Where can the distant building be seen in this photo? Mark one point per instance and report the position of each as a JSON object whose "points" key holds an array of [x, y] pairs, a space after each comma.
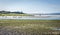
{"points": [[37, 15]]}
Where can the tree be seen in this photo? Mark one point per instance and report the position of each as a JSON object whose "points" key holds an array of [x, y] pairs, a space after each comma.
{"points": [[21, 12]]}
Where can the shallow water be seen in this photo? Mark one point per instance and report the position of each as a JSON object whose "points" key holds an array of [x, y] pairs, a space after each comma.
{"points": [[42, 17], [56, 29]]}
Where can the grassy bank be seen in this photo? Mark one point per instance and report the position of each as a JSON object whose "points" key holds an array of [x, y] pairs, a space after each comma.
{"points": [[15, 15], [30, 26]]}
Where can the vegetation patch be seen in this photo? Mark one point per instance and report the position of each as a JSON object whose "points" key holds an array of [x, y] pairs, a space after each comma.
{"points": [[30, 26]]}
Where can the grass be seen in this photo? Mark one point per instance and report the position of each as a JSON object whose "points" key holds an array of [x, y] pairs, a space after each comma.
{"points": [[30, 26], [15, 15]]}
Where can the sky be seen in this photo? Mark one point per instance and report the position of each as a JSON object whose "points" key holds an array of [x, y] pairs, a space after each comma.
{"points": [[31, 6]]}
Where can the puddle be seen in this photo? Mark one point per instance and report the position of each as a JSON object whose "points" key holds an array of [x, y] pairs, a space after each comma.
{"points": [[56, 29]]}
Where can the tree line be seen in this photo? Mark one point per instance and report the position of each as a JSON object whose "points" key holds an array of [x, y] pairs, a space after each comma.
{"points": [[9, 12]]}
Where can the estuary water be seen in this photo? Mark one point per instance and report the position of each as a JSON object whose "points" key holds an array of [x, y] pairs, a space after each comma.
{"points": [[42, 17]]}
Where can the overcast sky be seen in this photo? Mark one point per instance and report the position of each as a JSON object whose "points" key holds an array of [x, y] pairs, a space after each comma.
{"points": [[31, 6]]}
